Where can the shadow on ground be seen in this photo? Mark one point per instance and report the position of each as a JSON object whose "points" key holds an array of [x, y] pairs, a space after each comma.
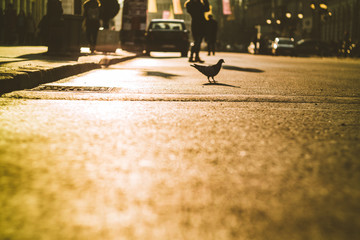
{"points": [[52, 57], [159, 74], [162, 57], [43, 57], [220, 84], [235, 68]]}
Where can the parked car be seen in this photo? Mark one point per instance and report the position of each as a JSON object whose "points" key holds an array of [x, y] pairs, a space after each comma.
{"points": [[167, 36], [308, 47], [283, 46]]}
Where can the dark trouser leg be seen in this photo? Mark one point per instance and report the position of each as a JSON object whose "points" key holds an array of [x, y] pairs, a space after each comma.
{"points": [[211, 48], [91, 35], [88, 35], [198, 34], [197, 44]]}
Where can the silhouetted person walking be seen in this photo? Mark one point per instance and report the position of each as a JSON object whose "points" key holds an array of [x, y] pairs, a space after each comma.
{"points": [[54, 30], [10, 24], [92, 21], [1, 25], [211, 34], [21, 27], [30, 29], [197, 8]]}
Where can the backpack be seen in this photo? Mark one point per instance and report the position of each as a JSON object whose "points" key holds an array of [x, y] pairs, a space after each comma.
{"points": [[93, 13]]}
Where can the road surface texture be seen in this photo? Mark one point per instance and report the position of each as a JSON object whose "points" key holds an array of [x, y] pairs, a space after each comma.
{"points": [[147, 149]]}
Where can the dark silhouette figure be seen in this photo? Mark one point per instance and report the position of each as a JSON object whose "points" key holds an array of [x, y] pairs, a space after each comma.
{"points": [[21, 27], [196, 9], [209, 71], [55, 13], [109, 9], [211, 34], [1, 25], [43, 30], [92, 21], [30, 29], [10, 24], [51, 26]]}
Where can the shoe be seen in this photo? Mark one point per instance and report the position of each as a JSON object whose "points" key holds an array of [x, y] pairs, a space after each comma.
{"points": [[199, 60], [191, 60]]}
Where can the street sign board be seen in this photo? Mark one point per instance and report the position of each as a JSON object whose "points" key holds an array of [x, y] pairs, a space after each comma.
{"points": [[133, 24]]}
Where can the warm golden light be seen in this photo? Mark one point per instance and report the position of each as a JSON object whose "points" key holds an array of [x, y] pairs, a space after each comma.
{"points": [[268, 21], [288, 15], [278, 21], [85, 50], [330, 14], [312, 6], [323, 6], [300, 15], [152, 7]]}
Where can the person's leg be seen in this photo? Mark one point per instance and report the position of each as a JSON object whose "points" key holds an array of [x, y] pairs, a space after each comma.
{"points": [[92, 37], [212, 45], [197, 45], [95, 34], [195, 31], [191, 58], [209, 47], [198, 34], [88, 35]]}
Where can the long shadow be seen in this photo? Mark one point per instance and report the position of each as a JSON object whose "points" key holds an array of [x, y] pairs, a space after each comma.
{"points": [[19, 60], [235, 68], [49, 57], [220, 84], [43, 57], [159, 74], [159, 57]]}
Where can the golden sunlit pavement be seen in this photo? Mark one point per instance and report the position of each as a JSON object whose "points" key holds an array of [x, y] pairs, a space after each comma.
{"points": [[147, 149]]}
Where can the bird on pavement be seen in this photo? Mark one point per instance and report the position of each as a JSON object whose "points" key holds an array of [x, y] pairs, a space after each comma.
{"points": [[209, 71]]}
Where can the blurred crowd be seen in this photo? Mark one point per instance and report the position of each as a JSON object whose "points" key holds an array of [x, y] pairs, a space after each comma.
{"points": [[17, 29], [21, 29]]}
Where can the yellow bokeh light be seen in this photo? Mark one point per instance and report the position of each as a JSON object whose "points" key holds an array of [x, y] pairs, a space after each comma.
{"points": [[323, 6]]}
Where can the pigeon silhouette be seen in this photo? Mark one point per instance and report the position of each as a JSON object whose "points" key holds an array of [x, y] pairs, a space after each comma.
{"points": [[209, 71]]}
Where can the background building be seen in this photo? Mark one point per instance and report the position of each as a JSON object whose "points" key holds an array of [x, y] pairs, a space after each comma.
{"points": [[329, 20], [243, 21], [37, 9]]}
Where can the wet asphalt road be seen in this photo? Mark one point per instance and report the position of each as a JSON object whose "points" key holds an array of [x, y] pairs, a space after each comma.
{"points": [[148, 150]]}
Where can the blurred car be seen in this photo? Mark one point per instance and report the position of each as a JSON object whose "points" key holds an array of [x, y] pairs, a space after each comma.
{"points": [[283, 46], [167, 36], [309, 47]]}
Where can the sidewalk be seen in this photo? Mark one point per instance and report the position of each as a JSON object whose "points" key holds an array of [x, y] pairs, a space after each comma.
{"points": [[24, 67]]}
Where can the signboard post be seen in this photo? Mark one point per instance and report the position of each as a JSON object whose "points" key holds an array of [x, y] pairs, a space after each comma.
{"points": [[133, 25]]}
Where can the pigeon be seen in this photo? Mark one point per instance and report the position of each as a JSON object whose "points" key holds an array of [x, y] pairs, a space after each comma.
{"points": [[209, 71]]}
